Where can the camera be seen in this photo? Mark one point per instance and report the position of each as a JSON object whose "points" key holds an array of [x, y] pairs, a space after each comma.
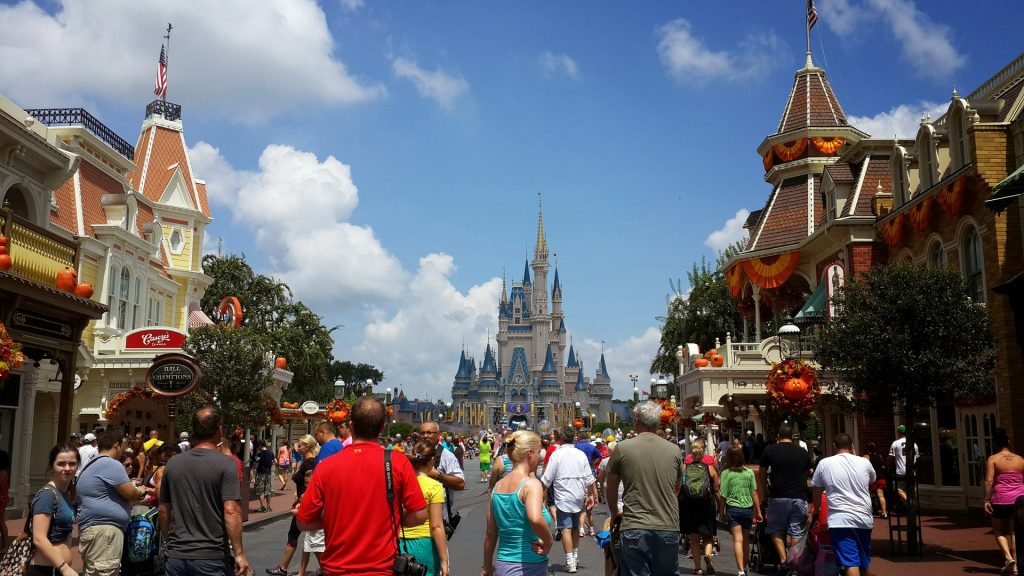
{"points": [[407, 565], [451, 524]]}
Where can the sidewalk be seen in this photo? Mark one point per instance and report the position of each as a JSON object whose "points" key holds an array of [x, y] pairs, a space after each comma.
{"points": [[955, 543]]}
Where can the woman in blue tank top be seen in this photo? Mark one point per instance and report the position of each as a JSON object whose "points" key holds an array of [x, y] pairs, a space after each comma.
{"points": [[515, 518]]}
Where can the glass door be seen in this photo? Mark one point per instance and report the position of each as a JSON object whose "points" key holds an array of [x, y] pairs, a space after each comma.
{"points": [[979, 424]]}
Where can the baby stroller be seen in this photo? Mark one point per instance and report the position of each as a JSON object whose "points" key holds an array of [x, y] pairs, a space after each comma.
{"points": [[762, 548]]}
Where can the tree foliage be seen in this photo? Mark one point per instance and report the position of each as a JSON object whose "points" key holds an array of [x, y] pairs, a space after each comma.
{"points": [[288, 326], [908, 332], [705, 313], [351, 372], [236, 365]]}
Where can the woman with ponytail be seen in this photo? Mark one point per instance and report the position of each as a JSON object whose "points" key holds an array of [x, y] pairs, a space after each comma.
{"points": [[428, 542], [516, 526]]}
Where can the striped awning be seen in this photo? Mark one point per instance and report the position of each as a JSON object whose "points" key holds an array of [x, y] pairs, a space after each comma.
{"points": [[813, 310], [197, 318], [1006, 191]]}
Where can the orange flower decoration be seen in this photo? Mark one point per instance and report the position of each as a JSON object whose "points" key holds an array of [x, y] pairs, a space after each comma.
{"points": [[776, 387], [828, 144], [788, 151]]}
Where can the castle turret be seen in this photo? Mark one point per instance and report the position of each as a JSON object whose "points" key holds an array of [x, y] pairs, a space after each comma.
{"points": [[601, 392], [460, 388], [550, 388]]}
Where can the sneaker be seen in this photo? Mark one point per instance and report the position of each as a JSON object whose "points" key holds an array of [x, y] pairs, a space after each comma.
{"points": [[277, 571], [741, 574], [592, 533], [570, 567], [583, 531]]}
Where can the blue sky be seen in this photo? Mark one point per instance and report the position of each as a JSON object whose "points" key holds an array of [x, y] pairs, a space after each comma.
{"points": [[385, 158]]}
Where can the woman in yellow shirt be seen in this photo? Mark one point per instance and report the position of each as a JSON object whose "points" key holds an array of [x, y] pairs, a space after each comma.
{"points": [[428, 542]]}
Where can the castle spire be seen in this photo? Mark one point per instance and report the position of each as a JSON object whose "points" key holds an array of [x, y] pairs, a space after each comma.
{"points": [[542, 242], [526, 272]]}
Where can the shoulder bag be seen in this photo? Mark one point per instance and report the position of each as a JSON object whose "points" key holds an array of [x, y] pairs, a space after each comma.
{"points": [[405, 564], [17, 557]]}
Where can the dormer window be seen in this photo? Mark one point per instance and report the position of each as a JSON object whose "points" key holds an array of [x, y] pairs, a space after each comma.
{"points": [[830, 204], [928, 162], [959, 150], [176, 241], [898, 171]]}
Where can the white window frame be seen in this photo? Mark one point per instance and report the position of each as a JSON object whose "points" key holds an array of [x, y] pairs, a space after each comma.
{"points": [[975, 278], [124, 297], [179, 247]]}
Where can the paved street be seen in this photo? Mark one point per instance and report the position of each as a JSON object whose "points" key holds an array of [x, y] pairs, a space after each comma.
{"points": [[265, 544]]}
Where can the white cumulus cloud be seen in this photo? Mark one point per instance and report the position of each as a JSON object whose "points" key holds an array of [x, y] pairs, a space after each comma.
{"points": [[901, 121], [352, 5], [690, 61], [220, 62], [559, 65], [730, 233], [331, 263], [631, 355], [924, 43], [443, 88]]}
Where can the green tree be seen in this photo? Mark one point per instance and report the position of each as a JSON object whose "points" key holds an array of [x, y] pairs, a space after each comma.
{"points": [[236, 365], [353, 373], [908, 335], [700, 316], [291, 329]]}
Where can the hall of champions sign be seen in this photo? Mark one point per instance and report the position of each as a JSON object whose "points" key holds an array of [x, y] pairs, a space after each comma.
{"points": [[173, 375]]}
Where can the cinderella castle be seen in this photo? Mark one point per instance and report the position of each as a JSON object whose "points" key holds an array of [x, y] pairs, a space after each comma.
{"points": [[523, 377]]}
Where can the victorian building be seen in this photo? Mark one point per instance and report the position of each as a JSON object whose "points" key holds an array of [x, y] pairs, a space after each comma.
{"points": [[526, 375]]}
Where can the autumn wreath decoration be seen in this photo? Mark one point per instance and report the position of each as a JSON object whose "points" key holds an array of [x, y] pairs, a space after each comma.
{"points": [[11, 357], [337, 411], [117, 401], [793, 387]]}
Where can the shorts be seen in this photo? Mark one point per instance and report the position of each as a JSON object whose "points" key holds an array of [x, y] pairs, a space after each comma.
{"points": [[502, 568], [567, 519], [263, 487], [551, 497], [424, 551], [742, 517], [313, 541], [284, 466], [879, 484], [1003, 511], [787, 516], [851, 546], [485, 466]]}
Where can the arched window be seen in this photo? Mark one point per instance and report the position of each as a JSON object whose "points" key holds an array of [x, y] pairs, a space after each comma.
{"points": [[959, 150], [927, 163], [112, 295], [936, 255], [124, 285], [973, 263], [137, 303], [16, 201]]}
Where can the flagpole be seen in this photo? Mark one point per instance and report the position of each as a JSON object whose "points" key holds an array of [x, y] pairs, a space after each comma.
{"points": [[167, 55]]}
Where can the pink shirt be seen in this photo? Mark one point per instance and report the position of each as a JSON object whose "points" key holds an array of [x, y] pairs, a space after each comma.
{"points": [[707, 459]]}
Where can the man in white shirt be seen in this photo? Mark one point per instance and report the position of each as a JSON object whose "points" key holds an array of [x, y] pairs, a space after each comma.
{"points": [[844, 478], [569, 477], [88, 450], [898, 455]]}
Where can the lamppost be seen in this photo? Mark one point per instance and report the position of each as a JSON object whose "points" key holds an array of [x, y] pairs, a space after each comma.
{"points": [[387, 396], [789, 339], [636, 394], [659, 388], [576, 412], [369, 387], [339, 389]]}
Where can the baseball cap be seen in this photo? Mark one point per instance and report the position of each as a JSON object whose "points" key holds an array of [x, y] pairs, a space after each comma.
{"points": [[184, 436], [90, 437], [76, 434], [901, 429], [610, 439]]}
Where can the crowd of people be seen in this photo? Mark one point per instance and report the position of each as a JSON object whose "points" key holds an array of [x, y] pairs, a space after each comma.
{"points": [[368, 504]]}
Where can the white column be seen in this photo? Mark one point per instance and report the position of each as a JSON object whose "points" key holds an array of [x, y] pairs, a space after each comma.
{"points": [[23, 429], [757, 313]]}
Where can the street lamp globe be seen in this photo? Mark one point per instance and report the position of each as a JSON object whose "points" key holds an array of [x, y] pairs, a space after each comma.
{"points": [[387, 395], [789, 338], [339, 389], [636, 394]]}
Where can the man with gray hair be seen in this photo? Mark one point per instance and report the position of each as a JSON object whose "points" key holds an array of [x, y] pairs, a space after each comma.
{"points": [[649, 468]]}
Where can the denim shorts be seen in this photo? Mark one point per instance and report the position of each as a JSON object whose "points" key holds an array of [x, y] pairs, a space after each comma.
{"points": [[742, 517], [567, 519], [787, 516]]}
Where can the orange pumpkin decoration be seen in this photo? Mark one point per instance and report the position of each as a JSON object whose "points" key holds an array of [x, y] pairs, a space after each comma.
{"points": [[3, 249], [717, 360], [5, 262], [701, 362], [578, 423], [281, 362], [795, 388], [3, 240], [667, 414], [84, 290], [67, 279]]}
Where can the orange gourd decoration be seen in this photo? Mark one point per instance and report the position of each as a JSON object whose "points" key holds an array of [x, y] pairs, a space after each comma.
{"points": [[3, 249], [795, 388], [84, 290], [578, 423], [717, 360], [281, 362], [701, 362], [5, 262], [667, 414], [3, 240], [67, 279]]}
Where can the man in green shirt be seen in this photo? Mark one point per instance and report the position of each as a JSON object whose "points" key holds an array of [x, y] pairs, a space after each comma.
{"points": [[649, 468]]}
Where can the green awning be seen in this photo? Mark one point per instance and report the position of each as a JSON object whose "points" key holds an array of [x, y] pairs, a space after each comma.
{"points": [[1006, 191], [814, 309]]}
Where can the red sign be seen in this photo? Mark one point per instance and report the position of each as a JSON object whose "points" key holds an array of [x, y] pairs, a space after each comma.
{"points": [[154, 339]]}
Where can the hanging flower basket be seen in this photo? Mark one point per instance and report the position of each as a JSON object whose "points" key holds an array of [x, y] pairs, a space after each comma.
{"points": [[11, 357], [793, 387]]}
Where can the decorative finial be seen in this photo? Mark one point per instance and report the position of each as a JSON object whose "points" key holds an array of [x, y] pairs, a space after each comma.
{"points": [[955, 93]]}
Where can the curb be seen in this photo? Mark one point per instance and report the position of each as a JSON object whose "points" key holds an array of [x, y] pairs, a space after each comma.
{"points": [[260, 522]]}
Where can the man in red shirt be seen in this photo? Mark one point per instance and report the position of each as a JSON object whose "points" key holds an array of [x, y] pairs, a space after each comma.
{"points": [[348, 500]]}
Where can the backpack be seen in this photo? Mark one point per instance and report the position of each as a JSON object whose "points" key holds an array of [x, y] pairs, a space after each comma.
{"points": [[140, 540], [696, 483]]}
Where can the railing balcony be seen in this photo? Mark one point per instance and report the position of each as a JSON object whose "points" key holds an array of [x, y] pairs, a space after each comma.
{"points": [[166, 109], [745, 355], [81, 117], [38, 254]]}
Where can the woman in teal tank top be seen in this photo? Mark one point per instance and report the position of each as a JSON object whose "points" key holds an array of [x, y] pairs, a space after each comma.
{"points": [[516, 527]]}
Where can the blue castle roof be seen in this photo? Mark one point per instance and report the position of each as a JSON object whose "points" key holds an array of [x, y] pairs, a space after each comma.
{"points": [[463, 372], [489, 367], [580, 384], [561, 326], [549, 363], [572, 363], [526, 273], [556, 288], [602, 369]]}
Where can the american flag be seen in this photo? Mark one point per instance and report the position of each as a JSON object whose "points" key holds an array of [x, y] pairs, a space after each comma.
{"points": [[160, 86], [812, 14]]}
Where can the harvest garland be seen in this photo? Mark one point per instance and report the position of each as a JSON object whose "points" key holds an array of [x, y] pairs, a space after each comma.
{"points": [[11, 357], [117, 401], [793, 387]]}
